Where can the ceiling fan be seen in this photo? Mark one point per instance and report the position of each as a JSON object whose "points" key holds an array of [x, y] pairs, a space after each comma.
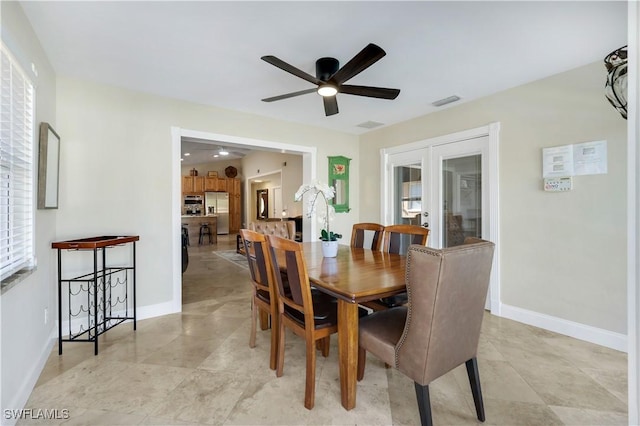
{"points": [[330, 78]]}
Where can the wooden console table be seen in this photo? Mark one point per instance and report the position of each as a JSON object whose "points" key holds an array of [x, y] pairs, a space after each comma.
{"points": [[99, 300]]}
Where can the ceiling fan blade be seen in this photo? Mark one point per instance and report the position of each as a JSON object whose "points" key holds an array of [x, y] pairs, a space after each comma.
{"points": [[372, 92], [363, 60], [290, 69], [289, 95], [330, 105]]}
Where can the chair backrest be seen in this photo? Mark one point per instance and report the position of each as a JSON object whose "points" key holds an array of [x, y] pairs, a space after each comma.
{"points": [[281, 228], [393, 237], [256, 248], [447, 290], [358, 234], [288, 255]]}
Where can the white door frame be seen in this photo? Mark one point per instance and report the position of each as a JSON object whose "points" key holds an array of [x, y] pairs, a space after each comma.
{"points": [[491, 177], [309, 173]]}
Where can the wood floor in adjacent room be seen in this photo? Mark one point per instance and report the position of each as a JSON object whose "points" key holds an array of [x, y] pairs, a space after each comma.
{"points": [[196, 368]]}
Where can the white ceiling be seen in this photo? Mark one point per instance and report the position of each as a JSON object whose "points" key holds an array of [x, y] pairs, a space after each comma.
{"points": [[209, 52]]}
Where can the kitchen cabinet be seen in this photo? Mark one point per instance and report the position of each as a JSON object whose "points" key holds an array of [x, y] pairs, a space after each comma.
{"points": [[198, 185], [192, 184], [235, 204], [216, 184]]}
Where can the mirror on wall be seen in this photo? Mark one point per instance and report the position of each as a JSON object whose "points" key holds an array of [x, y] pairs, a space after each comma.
{"points": [[48, 167], [262, 206], [339, 179]]}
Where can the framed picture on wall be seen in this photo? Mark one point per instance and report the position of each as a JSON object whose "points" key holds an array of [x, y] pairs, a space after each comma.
{"points": [[339, 179]]}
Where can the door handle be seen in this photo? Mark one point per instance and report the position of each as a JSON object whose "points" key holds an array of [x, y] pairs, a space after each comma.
{"points": [[425, 214], [425, 225]]}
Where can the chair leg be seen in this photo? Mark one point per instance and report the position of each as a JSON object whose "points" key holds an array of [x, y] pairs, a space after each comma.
{"points": [[264, 320], [254, 319], [310, 384], [362, 360], [273, 359], [280, 365], [424, 404], [325, 344], [474, 381]]}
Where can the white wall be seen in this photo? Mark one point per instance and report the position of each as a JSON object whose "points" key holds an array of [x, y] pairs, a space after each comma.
{"points": [[563, 254], [633, 289], [25, 338]]}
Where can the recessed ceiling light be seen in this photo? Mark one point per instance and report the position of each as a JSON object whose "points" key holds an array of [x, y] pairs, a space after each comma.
{"points": [[216, 155], [186, 154], [182, 159]]}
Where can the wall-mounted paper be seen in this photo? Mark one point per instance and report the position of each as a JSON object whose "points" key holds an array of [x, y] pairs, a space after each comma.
{"points": [[590, 158], [557, 161]]}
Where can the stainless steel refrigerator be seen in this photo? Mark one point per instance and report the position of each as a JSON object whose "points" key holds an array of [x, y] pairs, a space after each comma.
{"points": [[218, 203]]}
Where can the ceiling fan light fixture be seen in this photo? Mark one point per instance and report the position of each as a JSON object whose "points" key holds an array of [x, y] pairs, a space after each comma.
{"points": [[327, 90]]}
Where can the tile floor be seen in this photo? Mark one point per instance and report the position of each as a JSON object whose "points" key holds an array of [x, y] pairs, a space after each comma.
{"points": [[197, 368]]}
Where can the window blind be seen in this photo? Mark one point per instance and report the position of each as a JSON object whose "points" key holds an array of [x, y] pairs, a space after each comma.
{"points": [[16, 166]]}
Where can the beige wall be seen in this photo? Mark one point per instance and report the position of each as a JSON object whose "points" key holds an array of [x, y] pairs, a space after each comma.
{"points": [[260, 163], [562, 254], [24, 336], [117, 159]]}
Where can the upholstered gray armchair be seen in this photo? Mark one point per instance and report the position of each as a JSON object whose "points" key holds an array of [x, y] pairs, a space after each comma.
{"points": [[439, 329]]}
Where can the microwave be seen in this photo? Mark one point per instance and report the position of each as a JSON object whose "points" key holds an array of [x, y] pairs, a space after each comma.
{"points": [[190, 200]]}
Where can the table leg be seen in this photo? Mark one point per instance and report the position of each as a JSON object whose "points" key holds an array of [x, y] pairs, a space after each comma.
{"points": [[348, 351]]}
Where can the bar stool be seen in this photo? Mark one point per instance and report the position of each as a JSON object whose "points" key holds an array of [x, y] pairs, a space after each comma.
{"points": [[204, 231], [185, 232]]}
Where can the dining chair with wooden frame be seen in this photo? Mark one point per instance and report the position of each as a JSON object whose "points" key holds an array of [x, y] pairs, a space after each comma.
{"points": [[314, 318], [359, 231], [393, 244], [264, 295], [393, 237]]}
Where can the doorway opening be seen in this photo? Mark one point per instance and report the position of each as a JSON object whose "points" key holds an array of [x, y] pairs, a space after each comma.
{"points": [[307, 153]]}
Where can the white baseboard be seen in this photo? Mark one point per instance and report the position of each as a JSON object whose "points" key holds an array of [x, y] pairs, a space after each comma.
{"points": [[143, 312], [584, 332], [22, 396]]}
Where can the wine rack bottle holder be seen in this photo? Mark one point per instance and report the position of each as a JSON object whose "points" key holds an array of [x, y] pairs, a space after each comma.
{"points": [[99, 300]]}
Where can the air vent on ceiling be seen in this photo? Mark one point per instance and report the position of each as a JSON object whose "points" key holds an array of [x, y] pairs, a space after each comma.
{"points": [[445, 101], [370, 124]]}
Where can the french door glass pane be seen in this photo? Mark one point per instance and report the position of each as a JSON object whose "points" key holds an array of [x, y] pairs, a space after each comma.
{"points": [[408, 180], [462, 199], [408, 202]]}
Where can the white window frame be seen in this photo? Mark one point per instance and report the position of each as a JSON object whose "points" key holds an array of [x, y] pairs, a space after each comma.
{"points": [[17, 159]]}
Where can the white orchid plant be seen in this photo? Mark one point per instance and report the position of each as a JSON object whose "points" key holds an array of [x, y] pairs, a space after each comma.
{"points": [[316, 189]]}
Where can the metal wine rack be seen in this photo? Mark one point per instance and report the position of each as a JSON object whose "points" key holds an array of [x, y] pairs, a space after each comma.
{"points": [[99, 300]]}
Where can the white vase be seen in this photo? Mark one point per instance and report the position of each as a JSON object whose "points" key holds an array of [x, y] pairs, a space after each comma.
{"points": [[329, 248]]}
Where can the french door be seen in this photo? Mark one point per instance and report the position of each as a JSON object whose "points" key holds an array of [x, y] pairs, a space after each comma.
{"points": [[444, 187], [441, 188]]}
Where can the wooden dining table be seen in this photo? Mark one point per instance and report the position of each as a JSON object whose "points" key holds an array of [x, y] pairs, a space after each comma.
{"points": [[354, 276]]}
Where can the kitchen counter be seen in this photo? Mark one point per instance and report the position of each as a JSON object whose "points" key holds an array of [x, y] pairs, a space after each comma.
{"points": [[193, 223]]}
